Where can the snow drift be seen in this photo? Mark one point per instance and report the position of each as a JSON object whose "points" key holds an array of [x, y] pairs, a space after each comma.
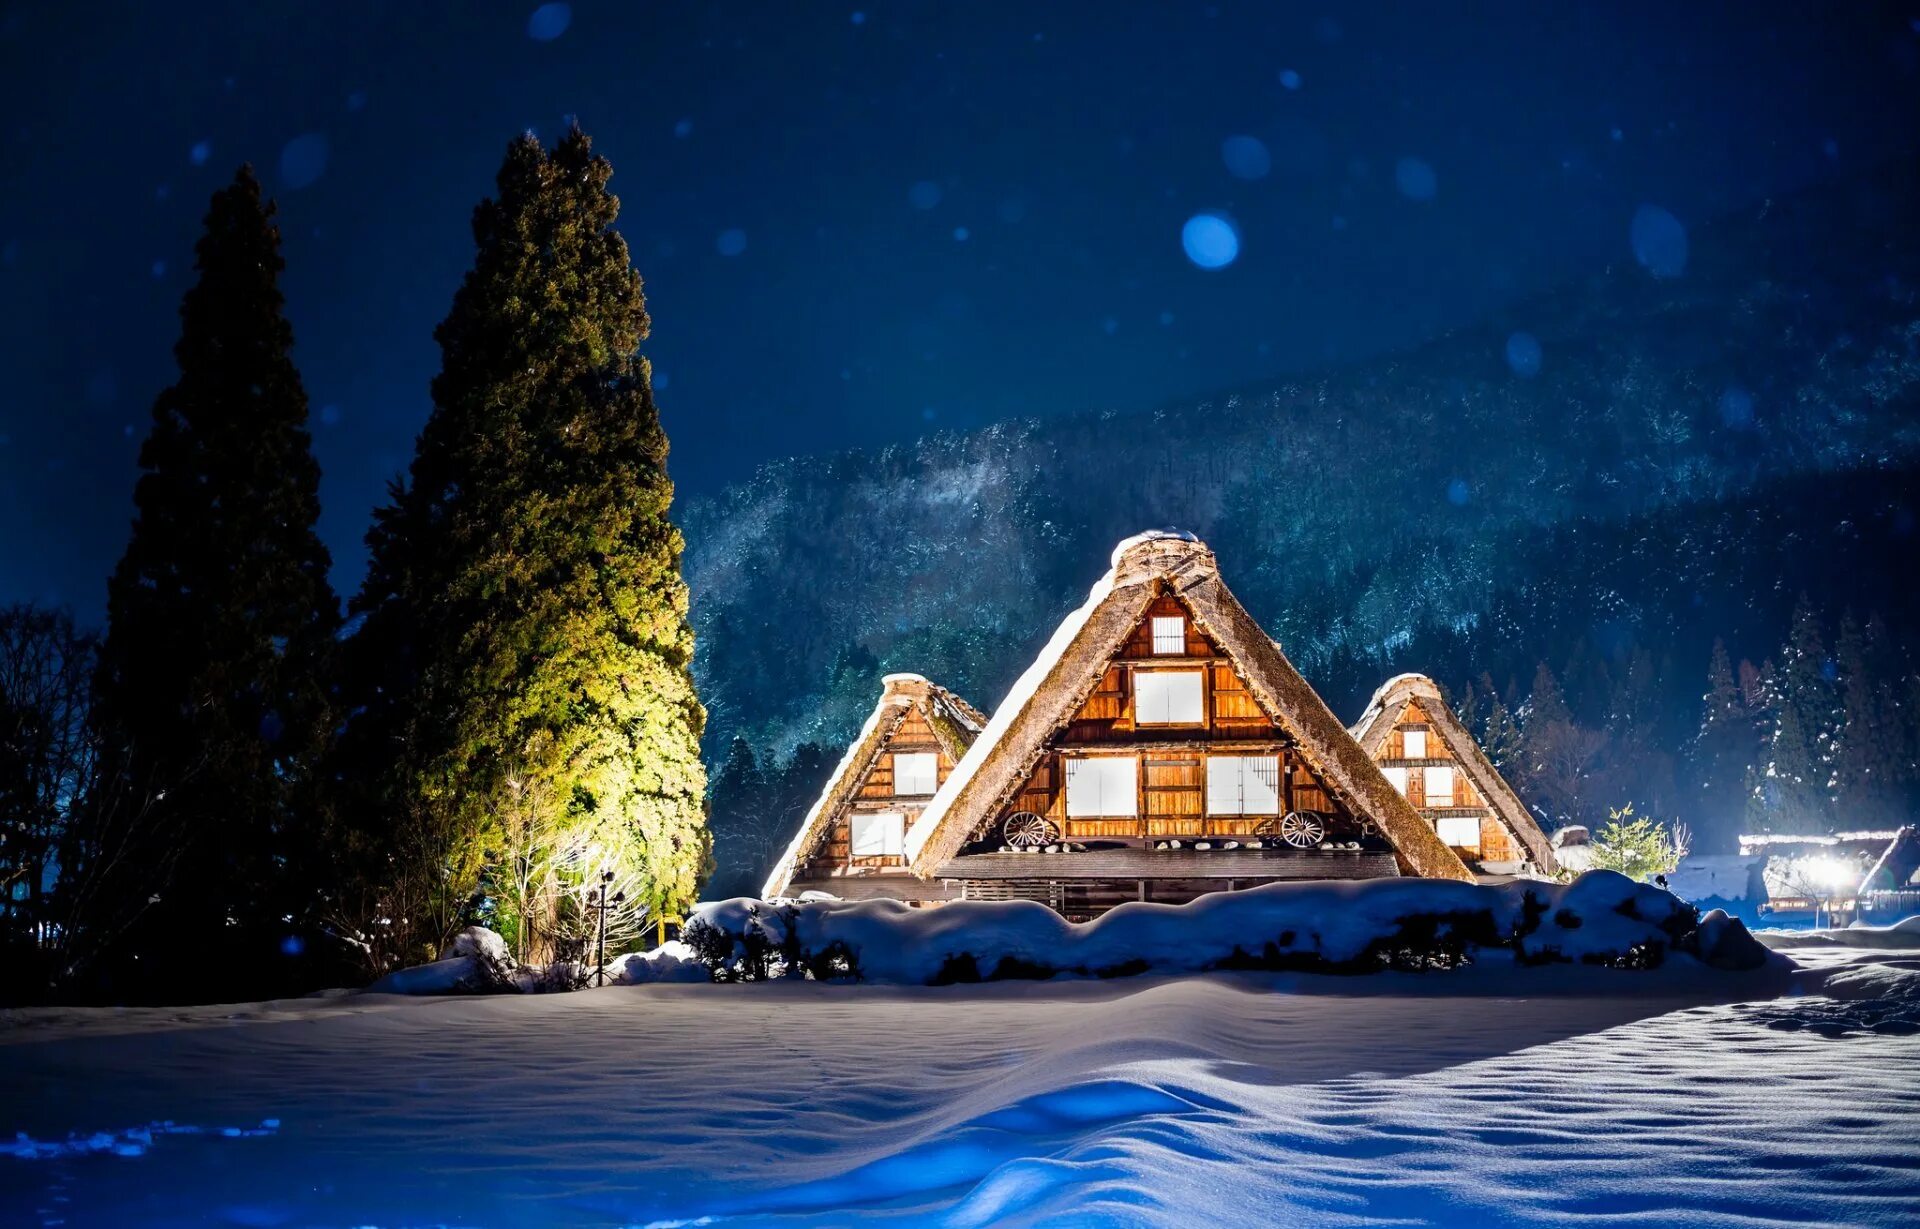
{"points": [[1602, 918]]}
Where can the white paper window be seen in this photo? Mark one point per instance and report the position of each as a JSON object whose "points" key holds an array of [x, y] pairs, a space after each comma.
{"points": [[1243, 785], [1415, 743], [1167, 697], [1398, 778], [1102, 786], [915, 773], [1169, 634], [879, 834], [1439, 783], [1461, 833]]}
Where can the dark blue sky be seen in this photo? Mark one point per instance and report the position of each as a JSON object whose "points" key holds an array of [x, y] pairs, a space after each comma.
{"points": [[857, 224]]}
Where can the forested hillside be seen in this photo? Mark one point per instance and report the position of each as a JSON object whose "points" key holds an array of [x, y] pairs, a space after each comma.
{"points": [[1677, 461]]}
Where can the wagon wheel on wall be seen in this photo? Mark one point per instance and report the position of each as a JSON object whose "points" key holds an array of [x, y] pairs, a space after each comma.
{"points": [[1302, 829], [1025, 830]]}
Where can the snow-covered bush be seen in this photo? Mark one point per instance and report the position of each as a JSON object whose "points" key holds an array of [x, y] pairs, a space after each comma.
{"points": [[1602, 918], [672, 961]]}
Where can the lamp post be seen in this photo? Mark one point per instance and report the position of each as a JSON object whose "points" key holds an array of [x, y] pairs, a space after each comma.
{"points": [[599, 900]]}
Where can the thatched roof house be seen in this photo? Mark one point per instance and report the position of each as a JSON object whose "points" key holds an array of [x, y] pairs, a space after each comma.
{"points": [[1160, 722], [851, 842], [1430, 756]]}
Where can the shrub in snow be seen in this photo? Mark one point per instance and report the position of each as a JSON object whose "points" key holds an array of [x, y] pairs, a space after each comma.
{"points": [[672, 961], [1602, 918]]}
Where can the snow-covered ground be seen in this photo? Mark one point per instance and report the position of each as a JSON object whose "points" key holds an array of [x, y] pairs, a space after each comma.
{"points": [[1486, 1096]]}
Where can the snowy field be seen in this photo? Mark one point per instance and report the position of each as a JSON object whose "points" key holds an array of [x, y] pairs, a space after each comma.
{"points": [[1488, 1096]]}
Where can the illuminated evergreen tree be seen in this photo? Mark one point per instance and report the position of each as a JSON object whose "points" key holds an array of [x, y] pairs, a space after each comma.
{"points": [[211, 689], [524, 665]]}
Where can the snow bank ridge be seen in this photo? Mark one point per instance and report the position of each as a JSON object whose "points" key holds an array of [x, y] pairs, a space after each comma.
{"points": [[1602, 918]]}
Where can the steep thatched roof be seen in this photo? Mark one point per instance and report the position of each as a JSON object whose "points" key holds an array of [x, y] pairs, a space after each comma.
{"points": [[1377, 722], [955, 725], [1072, 663]]}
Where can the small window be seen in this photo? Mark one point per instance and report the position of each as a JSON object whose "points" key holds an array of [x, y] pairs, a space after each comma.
{"points": [[1414, 743], [916, 774], [1169, 635], [879, 834], [1102, 786], [1168, 697], [1439, 783], [1398, 778], [1243, 785], [1460, 833]]}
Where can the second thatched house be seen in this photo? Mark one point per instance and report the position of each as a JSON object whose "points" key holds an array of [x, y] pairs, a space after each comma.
{"points": [[1432, 758], [1161, 747]]}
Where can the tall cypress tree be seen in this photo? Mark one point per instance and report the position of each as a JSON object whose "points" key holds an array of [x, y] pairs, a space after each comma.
{"points": [[525, 663], [211, 691]]}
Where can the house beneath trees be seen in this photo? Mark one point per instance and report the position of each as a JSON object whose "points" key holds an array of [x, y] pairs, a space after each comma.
{"points": [[1431, 757], [852, 841], [1159, 748]]}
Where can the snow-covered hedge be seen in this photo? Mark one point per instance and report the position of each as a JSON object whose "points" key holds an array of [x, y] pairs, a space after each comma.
{"points": [[1600, 918]]}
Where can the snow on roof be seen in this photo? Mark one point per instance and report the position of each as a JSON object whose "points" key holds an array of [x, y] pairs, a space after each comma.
{"points": [[1151, 535], [1413, 682], [1018, 697]]}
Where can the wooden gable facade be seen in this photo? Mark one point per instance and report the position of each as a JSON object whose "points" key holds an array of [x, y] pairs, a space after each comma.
{"points": [[1182, 750], [855, 832], [1428, 755], [1160, 747]]}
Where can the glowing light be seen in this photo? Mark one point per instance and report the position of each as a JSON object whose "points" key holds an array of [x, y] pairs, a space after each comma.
{"points": [[1523, 355], [303, 160], [549, 22], [1458, 492], [731, 242], [924, 194], [1659, 241], [1246, 157], [200, 152], [1211, 240], [1289, 79], [960, 234], [1830, 873], [1415, 179]]}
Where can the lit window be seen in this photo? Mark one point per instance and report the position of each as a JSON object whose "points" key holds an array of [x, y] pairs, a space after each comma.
{"points": [[1102, 786], [1460, 833], [880, 834], [1243, 785], [1439, 783], [916, 774], [1167, 697], [1169, 635], [1398, 778], [1415, 743]]}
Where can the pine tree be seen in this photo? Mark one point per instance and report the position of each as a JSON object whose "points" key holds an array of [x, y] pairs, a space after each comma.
{"points": [[1499, 732], [1723, 750], [526, 648], [1867, 770], [211, 691], [1796, 778], [742, 829]]}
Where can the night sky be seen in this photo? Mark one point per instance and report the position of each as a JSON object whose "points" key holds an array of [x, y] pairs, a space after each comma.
{"points": [[860, 225]]}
